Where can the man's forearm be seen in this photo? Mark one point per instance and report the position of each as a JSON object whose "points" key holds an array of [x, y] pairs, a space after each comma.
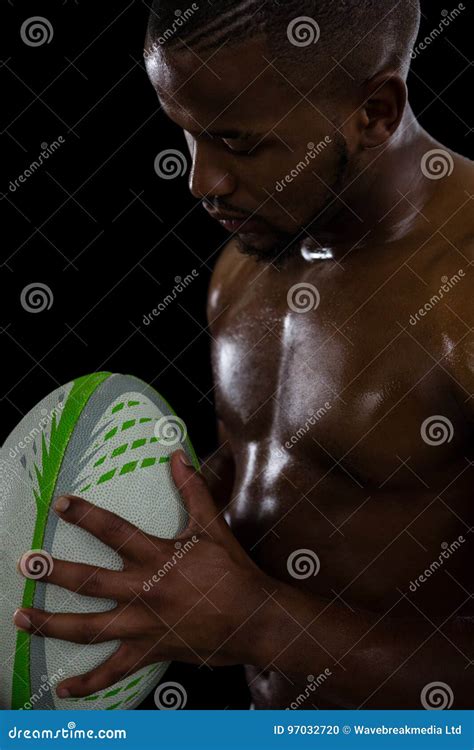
{"points": [[372, 660], [218, 471]]}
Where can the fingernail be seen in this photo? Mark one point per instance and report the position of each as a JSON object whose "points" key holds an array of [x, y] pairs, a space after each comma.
{"points": [[184, 458], [21, 620], [62, 504], [63, 692]]}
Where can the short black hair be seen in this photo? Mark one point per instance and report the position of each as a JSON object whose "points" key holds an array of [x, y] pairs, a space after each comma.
{"points": [[356, 38]]}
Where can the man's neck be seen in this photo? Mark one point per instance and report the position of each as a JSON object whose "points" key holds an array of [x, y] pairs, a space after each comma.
{"points": [[382, 200]]}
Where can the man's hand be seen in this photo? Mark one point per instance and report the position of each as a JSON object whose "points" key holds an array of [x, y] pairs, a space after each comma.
{"points": [[195, 598]]}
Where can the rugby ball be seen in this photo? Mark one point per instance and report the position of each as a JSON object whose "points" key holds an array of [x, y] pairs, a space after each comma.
{"points": [[107, 438]]}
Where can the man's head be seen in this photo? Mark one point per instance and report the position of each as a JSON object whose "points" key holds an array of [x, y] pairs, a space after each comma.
{"points": [[280, 100]]}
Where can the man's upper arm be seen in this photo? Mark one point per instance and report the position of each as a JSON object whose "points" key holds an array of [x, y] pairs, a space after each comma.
{"points": [[457, 334], [222, 283], [219, 468]]}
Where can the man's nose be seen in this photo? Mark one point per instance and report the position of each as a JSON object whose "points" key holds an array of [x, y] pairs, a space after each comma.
{"points": [[210, 174]]}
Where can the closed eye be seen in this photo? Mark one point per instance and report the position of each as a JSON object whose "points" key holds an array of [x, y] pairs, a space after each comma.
{"points": [[247, 152], [233, 147]]}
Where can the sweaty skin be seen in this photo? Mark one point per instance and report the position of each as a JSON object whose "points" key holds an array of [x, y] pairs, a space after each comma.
{"points": [[359, 486], [321, 413], [334, 530]]}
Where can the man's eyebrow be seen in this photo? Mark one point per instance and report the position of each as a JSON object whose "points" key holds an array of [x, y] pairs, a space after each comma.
{"points": [[237, 134], [233, 133]]}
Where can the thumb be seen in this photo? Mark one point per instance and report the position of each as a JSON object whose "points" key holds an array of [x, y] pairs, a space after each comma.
{"points": [[202, 510]]}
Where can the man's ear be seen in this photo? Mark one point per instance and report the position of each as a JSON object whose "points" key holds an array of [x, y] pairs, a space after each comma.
{"points": [[384, 101]]}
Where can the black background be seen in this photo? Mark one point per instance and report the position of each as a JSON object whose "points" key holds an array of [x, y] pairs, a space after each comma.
{"points": [[109, 237]]}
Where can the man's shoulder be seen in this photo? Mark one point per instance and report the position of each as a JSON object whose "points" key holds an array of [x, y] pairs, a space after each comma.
{"points": [[225, 280], [444, 262], [449, 218], [451, 287]]}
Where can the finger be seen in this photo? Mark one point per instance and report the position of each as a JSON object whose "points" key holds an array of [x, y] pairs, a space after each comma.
{"points": [[202, 510], [84, 579], [97, 627], [124, 537], [117, 667]]}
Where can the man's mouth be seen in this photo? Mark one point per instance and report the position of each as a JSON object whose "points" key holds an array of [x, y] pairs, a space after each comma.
{"points": [[243, 224]]}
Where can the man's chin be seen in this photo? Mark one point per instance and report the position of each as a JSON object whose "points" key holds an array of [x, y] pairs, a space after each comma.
{"points": [[270, 247]]}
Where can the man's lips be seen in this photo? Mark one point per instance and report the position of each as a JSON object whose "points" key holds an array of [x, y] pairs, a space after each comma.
{"points": [[252, 226], [239, 223]]}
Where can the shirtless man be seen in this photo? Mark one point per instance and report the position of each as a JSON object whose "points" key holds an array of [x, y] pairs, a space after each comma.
{"points": [[343, 351]]}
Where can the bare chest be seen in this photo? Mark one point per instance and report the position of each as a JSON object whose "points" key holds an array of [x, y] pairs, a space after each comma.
{"points": [[347, 438], [361, 390]]}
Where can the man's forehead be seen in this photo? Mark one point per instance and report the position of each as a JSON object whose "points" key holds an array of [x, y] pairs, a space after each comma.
{"points": [[240, 78]]}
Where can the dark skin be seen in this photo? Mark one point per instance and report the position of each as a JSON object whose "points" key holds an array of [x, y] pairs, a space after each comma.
{"points": [[359, 487], [153, 623]]}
